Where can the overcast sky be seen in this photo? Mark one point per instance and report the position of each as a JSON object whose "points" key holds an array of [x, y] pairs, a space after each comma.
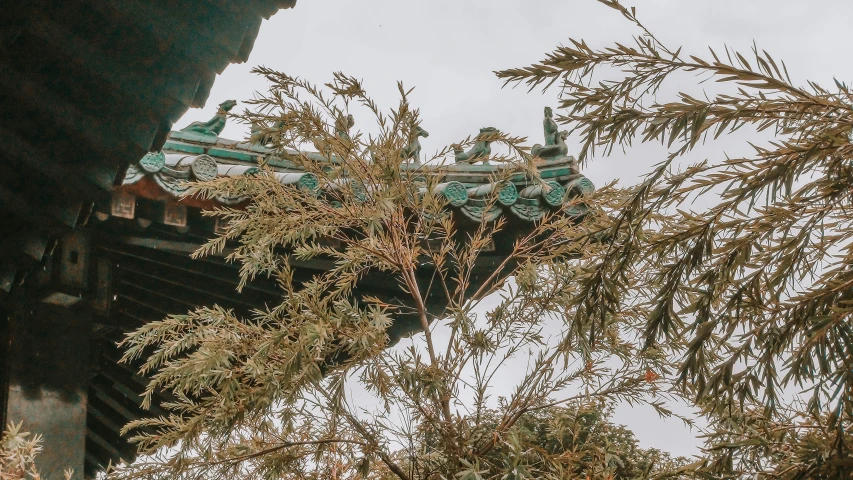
{"points": [[448, 49]]}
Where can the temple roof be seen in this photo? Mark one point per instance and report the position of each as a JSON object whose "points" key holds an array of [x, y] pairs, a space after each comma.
{"points": [[187, 156], [89, 86]]}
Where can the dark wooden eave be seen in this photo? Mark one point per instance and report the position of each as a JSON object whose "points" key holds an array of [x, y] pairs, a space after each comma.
{"points": [[89, 86]]}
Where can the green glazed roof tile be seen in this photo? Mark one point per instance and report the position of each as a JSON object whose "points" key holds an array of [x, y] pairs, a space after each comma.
{"points": [[467, 187]]}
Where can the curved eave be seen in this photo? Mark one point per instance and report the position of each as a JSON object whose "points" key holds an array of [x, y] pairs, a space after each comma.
{"points": [[164, 177]]}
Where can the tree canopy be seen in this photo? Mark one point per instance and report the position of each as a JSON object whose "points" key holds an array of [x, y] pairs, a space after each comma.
{"points": [[753, 293], [271, 395]]}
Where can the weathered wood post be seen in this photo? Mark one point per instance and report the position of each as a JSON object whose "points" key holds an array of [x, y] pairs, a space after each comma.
{"points": [[46, 360]]}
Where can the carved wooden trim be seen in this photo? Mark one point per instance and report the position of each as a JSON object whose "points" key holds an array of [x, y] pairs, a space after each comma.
{"points": [[175, 214], [123, 205]]}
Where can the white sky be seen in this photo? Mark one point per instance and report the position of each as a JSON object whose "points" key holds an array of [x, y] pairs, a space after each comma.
{"points": [[448, 49]]}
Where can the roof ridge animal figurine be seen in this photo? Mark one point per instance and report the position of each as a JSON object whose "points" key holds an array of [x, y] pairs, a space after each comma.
{"points": [[342, 127], [550, 127], [555, 142], [413, 149], [481, 149], [258, 135], [214, 126], [552, 152]]}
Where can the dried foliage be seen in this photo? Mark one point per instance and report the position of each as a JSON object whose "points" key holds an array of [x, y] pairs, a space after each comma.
{"points": [[18, 452], [753, 292], [272, 396], [567, 441]]}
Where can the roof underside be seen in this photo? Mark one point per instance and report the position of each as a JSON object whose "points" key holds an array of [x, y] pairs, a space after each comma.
{"points": [[88, 87]]}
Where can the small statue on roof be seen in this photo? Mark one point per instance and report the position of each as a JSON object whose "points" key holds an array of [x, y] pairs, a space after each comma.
{"points": [[555, 142], [552, 152], [550, 127], [481, 149], [413, 149], [259, 134], [342, 126], [214, 126]]}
